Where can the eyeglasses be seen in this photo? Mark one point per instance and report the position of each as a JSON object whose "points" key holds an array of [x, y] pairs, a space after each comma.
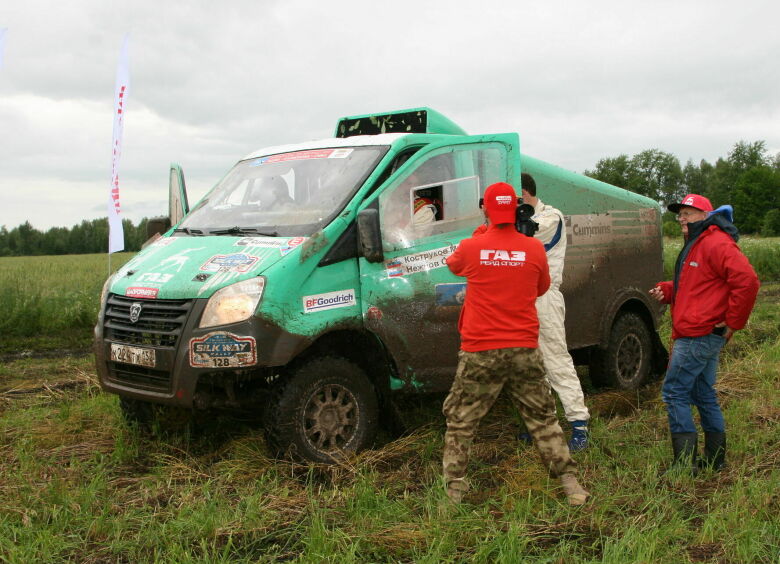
{"points": [[687, 214]]}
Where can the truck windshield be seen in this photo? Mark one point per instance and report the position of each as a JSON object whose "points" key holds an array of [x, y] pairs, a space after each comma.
{"points": [[287, 194]]}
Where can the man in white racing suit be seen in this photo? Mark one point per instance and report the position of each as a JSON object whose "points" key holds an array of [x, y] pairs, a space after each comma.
{"points": [[552, 312]]}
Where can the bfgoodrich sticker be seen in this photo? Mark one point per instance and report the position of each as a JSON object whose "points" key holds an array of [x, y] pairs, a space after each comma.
{"points": [[222, 349], [331, 300]]}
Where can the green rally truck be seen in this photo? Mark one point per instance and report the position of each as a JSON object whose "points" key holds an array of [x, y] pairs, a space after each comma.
{"points": [[302, 285]]}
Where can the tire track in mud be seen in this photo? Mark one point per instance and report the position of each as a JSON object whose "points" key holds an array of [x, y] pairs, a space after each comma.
{"points": [[53, 353]]}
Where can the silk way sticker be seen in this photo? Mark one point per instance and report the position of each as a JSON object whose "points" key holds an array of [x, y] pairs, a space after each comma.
{"points": [[236, 262], [418, 262], [221, 349], [331, 300]]}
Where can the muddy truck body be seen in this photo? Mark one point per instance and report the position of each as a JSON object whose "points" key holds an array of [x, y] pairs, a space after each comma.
{"points": [[301, 284]]}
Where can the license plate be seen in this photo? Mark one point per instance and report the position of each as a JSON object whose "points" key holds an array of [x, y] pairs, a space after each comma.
{"points": [[133, 355]]}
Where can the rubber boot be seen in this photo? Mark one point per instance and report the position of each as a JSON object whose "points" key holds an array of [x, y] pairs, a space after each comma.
{"points": [[684, 446], [714, 454], [575, 493], [579, 436]]}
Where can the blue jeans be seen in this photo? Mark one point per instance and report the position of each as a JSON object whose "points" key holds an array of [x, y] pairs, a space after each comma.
{"points": [[690, 380]]}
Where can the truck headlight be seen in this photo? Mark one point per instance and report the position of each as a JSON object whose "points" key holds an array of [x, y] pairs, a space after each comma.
{"points": [[233, 303]]}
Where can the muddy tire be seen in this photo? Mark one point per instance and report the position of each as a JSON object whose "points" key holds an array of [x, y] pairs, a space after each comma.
{"points": [[155, 419], [627, 360], [324, 408]]}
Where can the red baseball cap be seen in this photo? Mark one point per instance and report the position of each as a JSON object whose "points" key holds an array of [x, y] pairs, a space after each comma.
{"points": [[693, 200], [500, 202]]}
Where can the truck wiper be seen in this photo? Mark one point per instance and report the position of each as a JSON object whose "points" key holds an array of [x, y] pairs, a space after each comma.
{"points": [[188, 231], [241, 231]]}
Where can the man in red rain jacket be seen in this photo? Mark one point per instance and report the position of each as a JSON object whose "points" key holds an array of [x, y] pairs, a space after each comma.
{"points": [[711, 296]]}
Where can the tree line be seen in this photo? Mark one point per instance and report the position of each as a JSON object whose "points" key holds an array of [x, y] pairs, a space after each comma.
{"points": [[89, 236], [748, 179]]}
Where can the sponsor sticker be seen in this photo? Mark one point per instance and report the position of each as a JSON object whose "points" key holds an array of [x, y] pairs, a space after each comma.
{"points": [[221, 349], [262, 242], [589, 229], [144, 293], [236, 262], [450, 294], [331, 300], [303, 155], [418, 262], [291, 244]]}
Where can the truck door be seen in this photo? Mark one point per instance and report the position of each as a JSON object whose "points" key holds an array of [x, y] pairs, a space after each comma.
{"points": [[411, 300], [178, 206]]}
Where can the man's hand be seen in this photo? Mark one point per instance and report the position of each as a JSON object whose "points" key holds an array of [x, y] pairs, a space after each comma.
{"points": [[729, 331], [657, 293]]}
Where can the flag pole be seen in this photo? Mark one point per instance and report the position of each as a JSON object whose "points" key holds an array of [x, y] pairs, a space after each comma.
{"points": [[116, 236]]}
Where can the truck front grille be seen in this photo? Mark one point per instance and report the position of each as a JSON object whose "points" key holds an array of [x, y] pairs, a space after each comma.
{"points": [[159, 323], [140, 377]]}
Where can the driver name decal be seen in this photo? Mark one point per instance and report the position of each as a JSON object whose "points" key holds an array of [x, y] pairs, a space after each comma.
{"points": [[222, 349], [418, 262], [331, 300]]}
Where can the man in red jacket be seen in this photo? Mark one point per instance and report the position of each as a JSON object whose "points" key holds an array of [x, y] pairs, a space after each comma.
{"points": [[506, 271], [711, 296]]}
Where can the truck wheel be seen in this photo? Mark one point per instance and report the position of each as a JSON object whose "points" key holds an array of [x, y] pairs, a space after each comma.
{"points": [[627, 359], [154, 418], [325, 407]]}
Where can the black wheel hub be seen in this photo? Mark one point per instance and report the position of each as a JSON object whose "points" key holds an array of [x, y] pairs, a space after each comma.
{"points": [[629, 358]]}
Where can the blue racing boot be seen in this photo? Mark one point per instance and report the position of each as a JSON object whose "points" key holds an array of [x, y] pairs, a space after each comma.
{"points": [[525, 437], [579, 436]]}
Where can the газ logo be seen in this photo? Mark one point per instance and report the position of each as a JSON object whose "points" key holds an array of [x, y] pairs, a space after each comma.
{"points": [[135, 312], [500, 257]]}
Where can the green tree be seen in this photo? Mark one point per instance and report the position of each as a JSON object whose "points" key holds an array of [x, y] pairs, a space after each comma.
{"points": [[770, 227], [657, 175], [612, 170], [755, 192]]}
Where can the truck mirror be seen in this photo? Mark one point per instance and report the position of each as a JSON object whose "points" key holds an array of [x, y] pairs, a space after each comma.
{"points": [[369, 237], [157, 225]]}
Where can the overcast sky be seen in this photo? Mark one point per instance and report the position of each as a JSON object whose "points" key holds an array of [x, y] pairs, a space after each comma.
{"points": [[213, 81]]}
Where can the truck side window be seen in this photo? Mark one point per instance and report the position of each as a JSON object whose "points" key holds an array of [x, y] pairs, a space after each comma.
{"points": [[440, 195]]}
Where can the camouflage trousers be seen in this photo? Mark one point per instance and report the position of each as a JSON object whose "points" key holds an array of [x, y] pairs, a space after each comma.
{"points": [[479, 380]]}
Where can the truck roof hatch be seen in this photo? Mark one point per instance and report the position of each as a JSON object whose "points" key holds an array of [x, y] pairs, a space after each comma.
{"points": [[415, 120]]}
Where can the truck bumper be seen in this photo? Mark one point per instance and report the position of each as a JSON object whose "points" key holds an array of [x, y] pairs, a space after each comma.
{"points": [[178, 366]]}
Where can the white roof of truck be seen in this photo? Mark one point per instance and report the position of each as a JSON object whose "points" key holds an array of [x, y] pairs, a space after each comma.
{"points": [[333, 142]]}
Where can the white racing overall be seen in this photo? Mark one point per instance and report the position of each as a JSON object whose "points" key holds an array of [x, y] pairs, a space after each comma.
{"points": [[552, 312]]}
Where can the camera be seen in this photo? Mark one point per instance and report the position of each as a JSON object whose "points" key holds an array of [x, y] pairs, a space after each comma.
{"points": [[523, 222]]}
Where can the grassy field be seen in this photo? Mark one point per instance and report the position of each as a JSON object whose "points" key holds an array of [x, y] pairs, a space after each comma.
{"points": [[77, 484], [763, 252], [51, 302]]}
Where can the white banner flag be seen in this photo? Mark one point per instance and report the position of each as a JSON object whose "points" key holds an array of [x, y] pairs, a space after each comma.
{"points": [[2, 44], [116, 235]]}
